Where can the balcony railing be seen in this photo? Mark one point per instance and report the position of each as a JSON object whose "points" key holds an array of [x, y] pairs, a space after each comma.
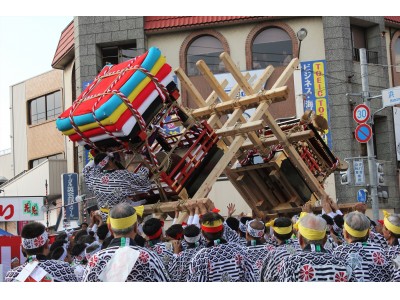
{"points": [[372, 56]]}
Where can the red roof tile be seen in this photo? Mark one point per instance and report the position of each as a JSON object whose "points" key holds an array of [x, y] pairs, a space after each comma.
{"points": [[393, 19], [65, 44], [156, 23]]}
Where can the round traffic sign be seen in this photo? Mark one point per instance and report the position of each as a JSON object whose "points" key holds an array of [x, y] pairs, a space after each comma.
{"points": [[361, 113], [363, 133]]}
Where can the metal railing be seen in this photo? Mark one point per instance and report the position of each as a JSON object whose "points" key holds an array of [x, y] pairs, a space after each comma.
{"points": [[372, 56]]}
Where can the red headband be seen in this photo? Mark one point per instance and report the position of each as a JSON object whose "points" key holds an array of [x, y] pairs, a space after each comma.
{"points": [[179, 236], [216, 226], [156, 235]]}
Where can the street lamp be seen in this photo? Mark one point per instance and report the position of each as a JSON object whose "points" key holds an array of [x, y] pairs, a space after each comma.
{"points": [[301, 35]]}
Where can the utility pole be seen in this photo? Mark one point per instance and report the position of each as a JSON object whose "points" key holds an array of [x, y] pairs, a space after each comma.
{"points": [[373, 182]]}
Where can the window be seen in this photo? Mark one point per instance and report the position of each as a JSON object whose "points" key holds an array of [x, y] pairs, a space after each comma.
{"points": [[358, 39], [207, 48], [272, 46], [118, 54], [44, 108], [36, 162]]}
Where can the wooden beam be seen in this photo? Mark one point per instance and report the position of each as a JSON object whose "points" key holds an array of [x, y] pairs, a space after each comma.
{"points": [[294, 137], [191, 89], [275, 95], [317, 209], [163, 207], [212, 81], [241, 128], [230, 66]]}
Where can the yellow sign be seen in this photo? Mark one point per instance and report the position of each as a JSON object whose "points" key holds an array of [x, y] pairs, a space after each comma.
{"points": [[322, 110], [319, 79]]}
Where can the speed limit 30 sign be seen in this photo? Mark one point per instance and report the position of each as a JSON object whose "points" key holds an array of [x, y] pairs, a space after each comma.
{"points": [[361, 113]]}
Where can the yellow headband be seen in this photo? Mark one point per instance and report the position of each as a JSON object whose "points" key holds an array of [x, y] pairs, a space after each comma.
{"points": [[139, 210], [123, 223], [279, 230], [311, 234], [215, 223], [355, 233], [302, 214], [392, 228]]}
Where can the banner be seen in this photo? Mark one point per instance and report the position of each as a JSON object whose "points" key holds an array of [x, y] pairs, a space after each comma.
{"points": [[314, 85], [69, 184], [10, 247], [21, 209]]}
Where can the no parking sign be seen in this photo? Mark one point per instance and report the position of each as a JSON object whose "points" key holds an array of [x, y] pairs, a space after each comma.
{"points": [[363, 133]]}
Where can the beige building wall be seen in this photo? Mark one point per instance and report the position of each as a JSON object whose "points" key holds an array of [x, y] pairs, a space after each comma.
{"points": [[170, 43], [43, 139], [312, 48]]}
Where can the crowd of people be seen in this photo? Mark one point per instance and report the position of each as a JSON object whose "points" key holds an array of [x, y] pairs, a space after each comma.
{"points": [[209, 248], [121, 244]]}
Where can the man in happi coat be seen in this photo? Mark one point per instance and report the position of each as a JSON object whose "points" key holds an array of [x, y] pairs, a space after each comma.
{"points": [[256, 250], [242, 230], [38, 268], [313, 263], [153, 229], [123, 260], [391, 232], [179, 266], [219, 260], [286, 246], [111, 184], [366, 260]]}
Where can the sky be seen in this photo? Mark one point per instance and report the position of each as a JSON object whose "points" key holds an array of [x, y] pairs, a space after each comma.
{"points": [[27, 48]]}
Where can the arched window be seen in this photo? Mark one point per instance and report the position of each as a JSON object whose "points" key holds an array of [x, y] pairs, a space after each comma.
{"points": [[272, 46], [395, 57], [207, 48]]}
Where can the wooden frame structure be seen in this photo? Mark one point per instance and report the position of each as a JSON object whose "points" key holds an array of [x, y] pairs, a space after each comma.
{"points": [[238, 135]]}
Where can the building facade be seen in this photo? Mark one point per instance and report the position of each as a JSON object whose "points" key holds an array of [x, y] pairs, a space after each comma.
{"points": [[38, 155]]}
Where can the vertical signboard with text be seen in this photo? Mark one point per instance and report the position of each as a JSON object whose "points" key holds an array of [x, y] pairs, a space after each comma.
{"points": [[69, 183], [315, 90]]}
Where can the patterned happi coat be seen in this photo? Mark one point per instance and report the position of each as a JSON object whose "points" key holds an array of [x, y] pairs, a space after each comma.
{"points": [[202, 242], [179, 266], [393, 254], [230, 235], [148, 267], [272, 264], [218, 263], [310, 265], [90, 171], [255, 257], [378, 238], [330, 243], [111, 187], [162, 250], [60, 271], [367, 261]]}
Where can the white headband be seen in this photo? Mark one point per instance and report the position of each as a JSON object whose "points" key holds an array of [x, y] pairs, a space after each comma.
{"points": [[103, 162], [256, 233], [193, 239], [242, 227], [36, 242]]}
